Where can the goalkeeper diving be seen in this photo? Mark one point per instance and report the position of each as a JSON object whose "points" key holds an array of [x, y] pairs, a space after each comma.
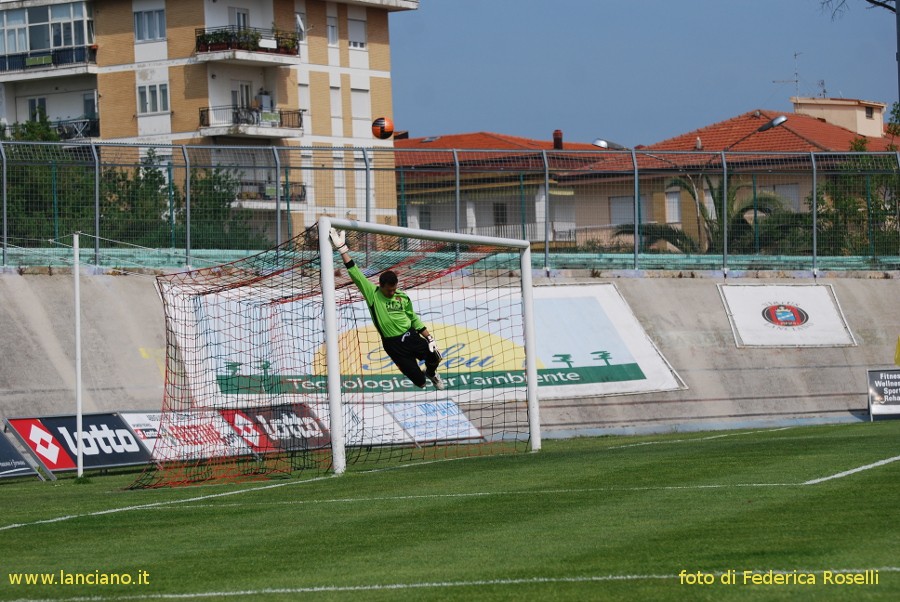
{"points": [[403, 335]]}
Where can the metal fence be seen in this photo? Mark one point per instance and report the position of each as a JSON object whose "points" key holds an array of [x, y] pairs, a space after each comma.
{"points": [[178, 206]]}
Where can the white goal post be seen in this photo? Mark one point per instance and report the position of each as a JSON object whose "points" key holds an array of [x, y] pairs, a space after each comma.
{"points": [[325, 223]]}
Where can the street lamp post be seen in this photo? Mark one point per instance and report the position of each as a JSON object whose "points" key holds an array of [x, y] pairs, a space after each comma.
{"points": [[772, 123], [606, 144]]}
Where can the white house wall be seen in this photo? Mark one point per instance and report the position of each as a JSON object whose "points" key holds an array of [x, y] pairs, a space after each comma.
{"points": [[260, 13]]}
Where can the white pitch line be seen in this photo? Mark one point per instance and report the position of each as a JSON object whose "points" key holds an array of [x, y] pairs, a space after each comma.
{"points": [[423, 585], [365, 588], [436, 496], [711, 437], [158, 504], [847, 473], [170, 503], [190, 501]]}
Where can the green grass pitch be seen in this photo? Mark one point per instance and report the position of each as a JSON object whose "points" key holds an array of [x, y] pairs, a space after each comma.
{"points": [[805, 511]]}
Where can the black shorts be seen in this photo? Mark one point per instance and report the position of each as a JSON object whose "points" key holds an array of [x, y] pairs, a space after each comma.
{"points": [[407, 351]]}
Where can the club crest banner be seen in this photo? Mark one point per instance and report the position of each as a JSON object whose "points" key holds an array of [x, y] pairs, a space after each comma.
{"points": [[794, 315]]}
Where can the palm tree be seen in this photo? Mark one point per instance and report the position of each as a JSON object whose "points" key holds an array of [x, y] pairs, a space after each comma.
{"points": [[738, 223]]}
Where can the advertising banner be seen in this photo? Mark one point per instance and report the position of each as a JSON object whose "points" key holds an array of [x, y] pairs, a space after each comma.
{"points": [[12, 464], [145, 426], [434, 421], [588, 343], [884, 392], [790, 315], [187, 435], [367, 424], [105, 438], [279, 428]]}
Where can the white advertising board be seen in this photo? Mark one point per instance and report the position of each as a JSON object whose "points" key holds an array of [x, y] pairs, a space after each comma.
{"points": [[186, 435], [240, 353], [785, 315]]}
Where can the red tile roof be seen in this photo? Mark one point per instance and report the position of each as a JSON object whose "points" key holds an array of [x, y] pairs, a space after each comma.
{"points": [[800, 133], [476, 148], [485, 141]]}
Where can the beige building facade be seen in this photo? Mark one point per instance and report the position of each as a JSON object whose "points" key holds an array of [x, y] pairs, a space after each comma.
{"points": [[228, 73]]}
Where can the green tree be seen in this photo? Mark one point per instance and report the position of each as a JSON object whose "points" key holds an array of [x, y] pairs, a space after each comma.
{"points": [[49, 191], [737, 223], [36, 130], [215, 222], [857, 208], [136, 202]]}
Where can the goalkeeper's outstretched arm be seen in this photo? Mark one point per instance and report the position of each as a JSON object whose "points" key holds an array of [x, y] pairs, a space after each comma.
{"points": [[339, 242]]}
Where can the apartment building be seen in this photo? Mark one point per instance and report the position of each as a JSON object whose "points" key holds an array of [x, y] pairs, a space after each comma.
{"points": [[199, 71], [228, 73]]}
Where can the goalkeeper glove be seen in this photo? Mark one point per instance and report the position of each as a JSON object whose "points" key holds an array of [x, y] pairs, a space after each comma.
{"points": [[338, 240], [432, 346]]}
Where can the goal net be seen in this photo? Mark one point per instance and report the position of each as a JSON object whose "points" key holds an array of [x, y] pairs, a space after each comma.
{"points": [[274, 363]]}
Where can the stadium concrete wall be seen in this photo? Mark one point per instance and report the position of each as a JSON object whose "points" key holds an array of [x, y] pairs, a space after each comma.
{"points": [[123, 349]]}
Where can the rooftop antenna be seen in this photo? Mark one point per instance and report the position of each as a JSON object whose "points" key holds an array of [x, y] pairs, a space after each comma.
{"points": [[796, 80], [824, 92]]}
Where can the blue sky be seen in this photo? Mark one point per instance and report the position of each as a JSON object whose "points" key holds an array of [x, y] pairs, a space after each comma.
{"points": [[631, 71]]}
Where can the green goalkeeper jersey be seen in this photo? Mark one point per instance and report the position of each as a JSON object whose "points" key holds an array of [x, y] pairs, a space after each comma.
{"points": [[393, 316]]}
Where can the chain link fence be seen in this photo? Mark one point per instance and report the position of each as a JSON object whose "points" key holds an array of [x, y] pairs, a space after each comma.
{"points": [[172, 207]]}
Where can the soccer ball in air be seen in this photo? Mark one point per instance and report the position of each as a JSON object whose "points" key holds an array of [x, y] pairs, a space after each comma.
{"points": [[383, 128]]}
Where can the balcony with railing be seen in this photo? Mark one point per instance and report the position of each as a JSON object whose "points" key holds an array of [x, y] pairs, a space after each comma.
{"points": [[254, 194], [250, 121], [77, 129], [535, 232], [247, 45], [47, 61]]}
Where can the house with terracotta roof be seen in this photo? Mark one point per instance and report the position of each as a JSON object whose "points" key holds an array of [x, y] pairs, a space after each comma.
{"points": [[816, 125], [489, 184], [761, 152], [493, 184]]}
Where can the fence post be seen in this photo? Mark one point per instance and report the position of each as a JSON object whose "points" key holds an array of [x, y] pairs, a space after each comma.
{"points": [[187, 207], [96, 204], [637, 209], [277, 197], [5, 227], [457, 188], [815, 215], [723, 218], [368, 167], [546, 213], [171, 192]]}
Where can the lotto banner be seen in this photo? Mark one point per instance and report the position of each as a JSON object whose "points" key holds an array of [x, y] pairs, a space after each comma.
{"points": [[793, 315], [589, 343], [106, 441], [11, 462], [285, 428]]}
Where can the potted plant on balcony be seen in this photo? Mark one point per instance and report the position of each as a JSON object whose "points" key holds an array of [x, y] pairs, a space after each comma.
{"points": [[218, 40], [203, 42], [248, 39], [287, 42]]}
